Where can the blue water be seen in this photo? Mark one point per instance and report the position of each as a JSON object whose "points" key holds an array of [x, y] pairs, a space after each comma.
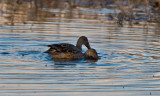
{"points": [[128, 64]]}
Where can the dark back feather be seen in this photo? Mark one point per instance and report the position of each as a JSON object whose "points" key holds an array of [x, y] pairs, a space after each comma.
{"points": [[63, 48]]}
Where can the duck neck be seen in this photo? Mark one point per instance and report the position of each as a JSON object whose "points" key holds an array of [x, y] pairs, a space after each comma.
{"points": [[82, 40], [79, 45]]}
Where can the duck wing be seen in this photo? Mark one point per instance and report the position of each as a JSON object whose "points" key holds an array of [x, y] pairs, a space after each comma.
{"points": [[62, 48]]}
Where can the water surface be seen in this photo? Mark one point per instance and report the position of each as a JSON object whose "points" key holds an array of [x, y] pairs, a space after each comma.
{"points": [[128, 64]]}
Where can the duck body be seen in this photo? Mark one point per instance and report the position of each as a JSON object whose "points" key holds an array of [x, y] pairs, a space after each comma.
{"points": [[70, 51], [65, 51]]}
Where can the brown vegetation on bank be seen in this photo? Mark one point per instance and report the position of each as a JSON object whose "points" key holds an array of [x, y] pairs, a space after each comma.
{"points": [[131, 11]]}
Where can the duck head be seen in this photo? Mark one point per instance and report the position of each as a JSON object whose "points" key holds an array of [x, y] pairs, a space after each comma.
{"points": [[91, 54], [82, 40]]}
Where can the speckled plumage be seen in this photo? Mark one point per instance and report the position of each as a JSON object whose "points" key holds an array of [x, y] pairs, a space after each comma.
{"points": [[65, 50]]}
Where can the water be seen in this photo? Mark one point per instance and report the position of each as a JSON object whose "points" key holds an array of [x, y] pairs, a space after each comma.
{"points": [[128, 64]]}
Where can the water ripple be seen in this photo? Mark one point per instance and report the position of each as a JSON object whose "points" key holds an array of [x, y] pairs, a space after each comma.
{"points": [[128, 64]]}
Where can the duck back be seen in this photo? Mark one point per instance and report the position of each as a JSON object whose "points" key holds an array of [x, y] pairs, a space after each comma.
{"points": [[64, 50]]}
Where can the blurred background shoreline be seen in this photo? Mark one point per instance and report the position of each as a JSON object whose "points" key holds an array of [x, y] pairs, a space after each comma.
{"points": [[131, 12]]}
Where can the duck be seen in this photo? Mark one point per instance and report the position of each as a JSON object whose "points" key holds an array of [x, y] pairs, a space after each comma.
{"points": [[70, 51]]}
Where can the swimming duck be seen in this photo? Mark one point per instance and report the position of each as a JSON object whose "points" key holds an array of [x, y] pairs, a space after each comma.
{"points": [[69, 51]]}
